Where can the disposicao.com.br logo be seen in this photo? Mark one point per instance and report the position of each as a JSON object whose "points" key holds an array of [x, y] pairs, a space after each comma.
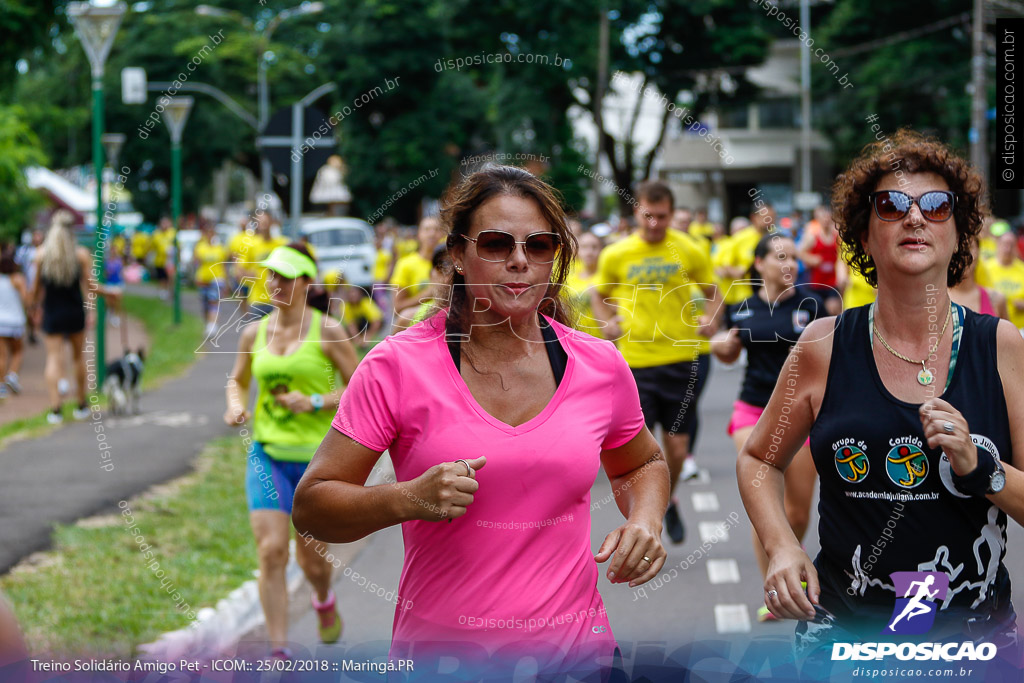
{"points": [[917, 595]]}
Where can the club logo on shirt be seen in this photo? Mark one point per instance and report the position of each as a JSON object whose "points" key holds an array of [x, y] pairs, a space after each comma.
{"points": [[851, 460], [906, 464], [800, 319], [916, 597]]}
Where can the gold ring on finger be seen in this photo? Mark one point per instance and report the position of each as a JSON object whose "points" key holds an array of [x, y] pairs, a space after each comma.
{"points": [[647, 559]]}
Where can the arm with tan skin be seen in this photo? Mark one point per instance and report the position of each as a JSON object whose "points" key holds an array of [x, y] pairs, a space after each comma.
{"points": [[998, 303], [20, 286], [810, 259], [341, 353], [237, 388], [605, 313], [639, 477], [709, 322], [962, 453], [726, 345], [88, 282], [332, 503], [762, 462]]}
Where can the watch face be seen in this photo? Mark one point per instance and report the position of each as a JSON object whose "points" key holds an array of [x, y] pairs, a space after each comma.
{"points": [[997, 482]]}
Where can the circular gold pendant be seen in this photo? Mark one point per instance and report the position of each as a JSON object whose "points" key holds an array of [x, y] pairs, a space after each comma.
{"points": [[925, 377]]}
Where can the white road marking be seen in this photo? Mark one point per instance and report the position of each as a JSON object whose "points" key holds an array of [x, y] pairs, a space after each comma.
{"points": [[709, 530], [723, 571], [705, 501], [703, 477], [732, 619]]}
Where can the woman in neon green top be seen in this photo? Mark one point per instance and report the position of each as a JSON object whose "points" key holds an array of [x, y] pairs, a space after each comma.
{"points": [[295, 359]]}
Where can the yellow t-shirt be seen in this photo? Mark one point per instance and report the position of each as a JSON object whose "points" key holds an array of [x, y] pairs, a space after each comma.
{"points": [[652, 286], [365, 309], [261, 249], [141, 242], [704, 230], [381, 265], [858, 291], [118, 245], [738, 251], [413, 272], [704, 343], [577, 291], [1009, 281], [163, 240], [987, 248], [210, 260], [409, 246]]}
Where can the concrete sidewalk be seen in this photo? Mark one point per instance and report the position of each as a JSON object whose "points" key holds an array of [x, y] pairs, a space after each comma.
{"points": [[67, 475]]}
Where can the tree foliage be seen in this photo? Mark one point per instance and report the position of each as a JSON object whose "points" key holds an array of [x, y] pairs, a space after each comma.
{"points": [[19, 148]]}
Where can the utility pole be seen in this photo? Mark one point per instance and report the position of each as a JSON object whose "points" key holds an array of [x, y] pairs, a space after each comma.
{"points": [[602, 84], [979, 121], [805, 101]]}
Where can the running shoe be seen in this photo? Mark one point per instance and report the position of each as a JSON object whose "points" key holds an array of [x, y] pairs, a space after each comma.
{"points": [[690, 469], [54, 417], [329, 620], [63, 387], [13, 382], [765, 614], [674, 524], [82, 412]]}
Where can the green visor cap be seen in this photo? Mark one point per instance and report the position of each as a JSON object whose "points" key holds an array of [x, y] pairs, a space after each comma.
{"points": [[289, 263]]}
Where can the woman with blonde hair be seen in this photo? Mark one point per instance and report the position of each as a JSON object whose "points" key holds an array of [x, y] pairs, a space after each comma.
{"points": [[63, 277]]}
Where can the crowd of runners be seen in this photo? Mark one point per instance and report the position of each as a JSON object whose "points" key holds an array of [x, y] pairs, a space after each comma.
{"points": [[510, 352]]}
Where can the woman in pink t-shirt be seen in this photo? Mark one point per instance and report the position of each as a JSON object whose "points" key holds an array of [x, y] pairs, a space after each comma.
{"points": [[497, 431]]}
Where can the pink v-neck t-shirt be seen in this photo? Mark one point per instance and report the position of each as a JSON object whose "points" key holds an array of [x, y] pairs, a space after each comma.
{"points": [[515, 575]]}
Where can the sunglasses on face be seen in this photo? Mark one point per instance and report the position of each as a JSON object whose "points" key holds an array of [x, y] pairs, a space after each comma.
{"points": [[497, 245], [892, 205]]}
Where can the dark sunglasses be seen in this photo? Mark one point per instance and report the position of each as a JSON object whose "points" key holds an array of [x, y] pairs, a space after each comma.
{"points": [[892, 205], [497, 245]]}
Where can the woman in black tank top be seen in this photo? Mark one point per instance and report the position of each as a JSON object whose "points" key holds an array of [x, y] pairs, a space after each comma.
{"points": [[914, 407]]}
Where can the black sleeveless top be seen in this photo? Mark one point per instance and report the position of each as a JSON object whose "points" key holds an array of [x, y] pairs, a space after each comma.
{"points": [[887, 500]]}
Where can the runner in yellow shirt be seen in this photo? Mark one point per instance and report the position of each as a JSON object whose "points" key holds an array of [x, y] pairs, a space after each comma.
{"points": [[644, 295], [361, 317], [162, 244], [412, 271], [240, 250], [210, 258], [580, 282], [141, 243], [1006, 275], [737, 254], [701, 226], [262, 245], [856, 290]]}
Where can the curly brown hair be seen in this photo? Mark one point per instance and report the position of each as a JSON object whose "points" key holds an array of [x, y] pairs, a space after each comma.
{"points": [[906, 152]]}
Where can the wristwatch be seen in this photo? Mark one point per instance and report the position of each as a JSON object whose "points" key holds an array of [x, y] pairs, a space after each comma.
{"points": [[988, 478], [317, 401]]}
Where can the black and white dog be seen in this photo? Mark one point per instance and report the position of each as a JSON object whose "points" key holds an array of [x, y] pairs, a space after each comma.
{"points": [[123, 385]]}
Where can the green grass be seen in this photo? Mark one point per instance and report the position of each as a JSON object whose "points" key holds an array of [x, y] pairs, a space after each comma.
{"points": [[170, 350], [100, 597]]}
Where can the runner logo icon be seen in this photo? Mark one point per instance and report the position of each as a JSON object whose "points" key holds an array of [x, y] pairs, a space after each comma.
{"points": [[914, 612]]}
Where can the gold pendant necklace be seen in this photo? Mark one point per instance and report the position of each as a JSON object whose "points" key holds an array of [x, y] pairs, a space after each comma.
{"points": [[925, 376]]}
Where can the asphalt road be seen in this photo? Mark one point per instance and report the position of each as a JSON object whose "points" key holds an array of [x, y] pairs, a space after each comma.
{"points": [[85, 468], [707, 612]]}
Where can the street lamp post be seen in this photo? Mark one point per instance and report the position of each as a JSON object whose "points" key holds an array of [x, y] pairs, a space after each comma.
{"points": [[112, 144], [176, 111], [96, 28], [262, 87]]}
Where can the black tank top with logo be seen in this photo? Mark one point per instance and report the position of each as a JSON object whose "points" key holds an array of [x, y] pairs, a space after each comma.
{"points": [[887, 500]]}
